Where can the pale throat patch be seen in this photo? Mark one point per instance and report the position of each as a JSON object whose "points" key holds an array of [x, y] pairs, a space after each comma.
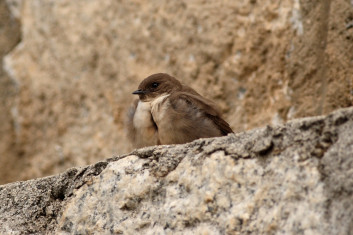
{"points": [[142, 117]]}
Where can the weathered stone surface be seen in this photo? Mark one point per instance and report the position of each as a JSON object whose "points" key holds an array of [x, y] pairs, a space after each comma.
{"points": [[288, 179], [33, 206], [78, 62], [9, 154]]}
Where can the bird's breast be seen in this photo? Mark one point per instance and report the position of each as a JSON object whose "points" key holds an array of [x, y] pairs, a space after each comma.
{"points": [[145, 129], [142, 117]]}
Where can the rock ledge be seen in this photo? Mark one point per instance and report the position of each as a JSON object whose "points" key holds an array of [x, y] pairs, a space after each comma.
{"points": [[294, 178]]}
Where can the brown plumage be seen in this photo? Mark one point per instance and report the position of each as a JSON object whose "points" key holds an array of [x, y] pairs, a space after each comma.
{"points": [[169, 112]]}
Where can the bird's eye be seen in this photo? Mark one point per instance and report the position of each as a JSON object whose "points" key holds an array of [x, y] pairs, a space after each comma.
{"points": [[155, 84]]}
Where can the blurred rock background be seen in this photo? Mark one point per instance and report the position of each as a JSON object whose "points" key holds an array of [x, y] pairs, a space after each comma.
{"points": [[69, 67]]}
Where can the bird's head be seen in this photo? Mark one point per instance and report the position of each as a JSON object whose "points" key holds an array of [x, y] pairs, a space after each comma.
{"points": [[156, 85]]}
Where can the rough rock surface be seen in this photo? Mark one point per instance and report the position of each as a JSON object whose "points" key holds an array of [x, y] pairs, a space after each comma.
{"points": [[77, 62], [9, 152], [295, 178]]}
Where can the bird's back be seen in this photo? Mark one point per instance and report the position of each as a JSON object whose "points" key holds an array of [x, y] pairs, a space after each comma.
{"points": [[188, 117]]}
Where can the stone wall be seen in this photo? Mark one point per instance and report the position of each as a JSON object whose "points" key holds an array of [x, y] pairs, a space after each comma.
{"points": [[70, 77]]}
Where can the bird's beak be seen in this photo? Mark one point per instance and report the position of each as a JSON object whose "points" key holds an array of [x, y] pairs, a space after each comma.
{"points": [[139, 92]]}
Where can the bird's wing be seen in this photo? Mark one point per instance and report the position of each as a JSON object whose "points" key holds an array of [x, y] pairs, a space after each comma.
{"points": [[207, 107]]}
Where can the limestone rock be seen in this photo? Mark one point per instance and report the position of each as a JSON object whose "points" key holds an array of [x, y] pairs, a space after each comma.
{"points": [[295, 178]]}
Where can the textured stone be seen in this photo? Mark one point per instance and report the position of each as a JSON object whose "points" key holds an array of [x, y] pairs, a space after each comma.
{"points": [[284, 179], [77, 63], [9, 154]]}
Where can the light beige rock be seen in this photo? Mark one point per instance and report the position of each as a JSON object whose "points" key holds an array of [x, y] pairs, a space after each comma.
{"points": [[290, 179]]}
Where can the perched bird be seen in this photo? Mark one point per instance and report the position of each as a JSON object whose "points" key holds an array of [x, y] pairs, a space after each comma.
{"points": [[169, 112]]}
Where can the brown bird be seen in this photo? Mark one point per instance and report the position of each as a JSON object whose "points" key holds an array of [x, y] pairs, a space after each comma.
{"points": [[169, 112]]}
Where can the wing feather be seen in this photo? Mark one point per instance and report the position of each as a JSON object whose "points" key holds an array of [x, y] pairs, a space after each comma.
{"points": [[207, 107]]}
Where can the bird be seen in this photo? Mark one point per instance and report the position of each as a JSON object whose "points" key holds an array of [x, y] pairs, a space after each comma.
{"points": [[169, 112]]}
